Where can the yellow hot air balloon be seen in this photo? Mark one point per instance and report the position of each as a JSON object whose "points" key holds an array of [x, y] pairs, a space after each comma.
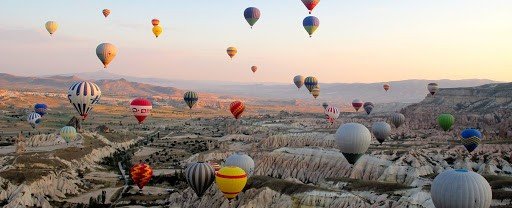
{"points": [[51, 26], [231, 51], [231, 181], [157, 30]]}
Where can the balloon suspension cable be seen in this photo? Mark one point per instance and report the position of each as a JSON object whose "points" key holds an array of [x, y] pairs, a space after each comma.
{"points": [[309, 11]]}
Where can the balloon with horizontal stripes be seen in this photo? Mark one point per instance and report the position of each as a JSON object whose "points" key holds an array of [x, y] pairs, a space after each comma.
{"points": [[357, 104], [83, 96], [242, 161], [68, 133], [471, 138], [34, 119], [40, 108], [141, 108], [315, 91], [252, 14], [311, 24], [190, 98], [106, 12], [386, 87], [231, 51], [231, 181], [200, 177], [141, 173], [106, 52], [237, 108], [155, 22], [432, 88]]}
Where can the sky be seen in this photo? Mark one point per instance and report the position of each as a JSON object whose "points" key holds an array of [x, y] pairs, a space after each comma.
{"points": [[357, 41]]}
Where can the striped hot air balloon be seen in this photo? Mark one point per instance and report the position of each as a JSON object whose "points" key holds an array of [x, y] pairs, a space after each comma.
{"points": [[446, 121], [84, 95], [432, 88], [310, 83], [68, 133], [357, 104], [254, 69], [471, 138], [51, 27], [106, 12], [242, 161], [237, 108], [215, 166], [386, 87], [460, 188], [106, 52], [190, 98], [141, 108], [353, 140], [155, 22], [397, 119], [332, 113], [200, 177], [252, 14], [310, 4], [381, 131], [231, 52], [311, 23], [141, 173], [40, 108], [315, 91], [368, 107], [34, 119], [299, 81], [231, 181]]}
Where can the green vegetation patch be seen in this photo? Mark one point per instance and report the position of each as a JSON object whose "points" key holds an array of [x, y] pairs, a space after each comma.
{"points": [[499, 182], [280, 185]]}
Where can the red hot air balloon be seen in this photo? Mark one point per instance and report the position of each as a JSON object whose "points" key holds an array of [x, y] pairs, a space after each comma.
{"points": [[310, 4], [141, 108], [237, 108], [357, 104], [141, 173], [386, 87], [155, 22], [254, 68]]}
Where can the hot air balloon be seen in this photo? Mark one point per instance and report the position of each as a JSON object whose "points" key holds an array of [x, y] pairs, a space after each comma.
{"points": [[231, 181], [460, 188], [353, 140], [106, 12], [310, 82], [51, 27], [368, 107], [252, 14], [332, 113], [397, 119], [231, 52], [315, 91], [200, 177], [432, 88], [141, 173], [155, 22], [357, 104], [157, 30], [68, 133], [34, 119], [299, 81], [310, 4], [310, 23], [40, 108], [190, 98], [84, 95], [237, 108], [381, 131], [445, 121], [325, 105], [242, 161], [215, 166], [106, 52], [141, 108], [254, 69], [386, 87], [471, 138]]}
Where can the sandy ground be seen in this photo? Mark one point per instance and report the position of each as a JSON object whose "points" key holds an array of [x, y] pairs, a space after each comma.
{"points": [[11, 149], [163, 171]]}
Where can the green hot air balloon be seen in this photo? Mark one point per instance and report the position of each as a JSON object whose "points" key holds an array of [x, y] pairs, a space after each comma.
{"points": [[445, 121]]}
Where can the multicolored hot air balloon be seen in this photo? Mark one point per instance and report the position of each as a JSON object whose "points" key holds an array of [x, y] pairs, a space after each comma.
{"points": [[200, 177], [310, 82], [106, 52], [311, 23], [325, 105], [68, 133], [34, 119], [231, 52], [237, 108], [445, 121], [471, 138], [332, 113], [254, 69], [106, 12], [310, 4], [141, 173], [242, 161], [231, 181], [252, 14], [353, 140], [157, 30], [84, 95], [357, 104], [397, 119], [432, 88], [190, 98], [368, 107], [386, 87], [381, 131], [141, 108], [51, 27], [299, 81], [155, 22], [215, 166], [315, 91], [40, 108], [461, 188]]}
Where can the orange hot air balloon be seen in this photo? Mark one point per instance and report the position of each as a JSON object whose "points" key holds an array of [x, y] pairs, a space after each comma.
{"points": [[106, 12], [254, 68], [141, 173], [237, 108], [155, 22], [386, 87]]}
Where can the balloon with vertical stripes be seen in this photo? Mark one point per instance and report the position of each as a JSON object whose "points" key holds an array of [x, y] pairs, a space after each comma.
{"points": [[83, 96], [200, 177]]}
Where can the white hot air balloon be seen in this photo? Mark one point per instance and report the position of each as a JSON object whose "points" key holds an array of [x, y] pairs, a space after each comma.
{"points": [[83, 95], [460, 189], [51, 27], [353, 140], [381, 131], [332, 113], [34, 119], [242, 161], [106, 52]]}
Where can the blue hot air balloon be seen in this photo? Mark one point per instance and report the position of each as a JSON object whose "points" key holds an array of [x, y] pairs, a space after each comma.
{"points": [[311, 23], [40, 108], [252, 14], [471, 138]]}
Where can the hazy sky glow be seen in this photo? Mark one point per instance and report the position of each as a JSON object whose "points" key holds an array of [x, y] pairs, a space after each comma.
{"points": [[358, 41]]}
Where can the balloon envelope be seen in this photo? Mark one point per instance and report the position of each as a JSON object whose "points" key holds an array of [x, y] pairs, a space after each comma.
{"points": [[141, 108], [445, 121], [397, 119], [381, 131], [51, 27], [190, 98], [237, 108], [386, 87], [315, 91], [106, 52], [155, 22], [231, 51], [353, 140], [299, 81], [311, 83], [252, 14], [310, 4], [68, 133], [231, 181], [432, 88], [34, 119], [368, 107], [471, 138], [242, 161], [357, 104], [141, 173], [157, 30], [83, 96], [200, 177], [40, 108], [461, 188], [332, 113], [106, 12], [254, 69], [311, 23], [325, 105]]}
